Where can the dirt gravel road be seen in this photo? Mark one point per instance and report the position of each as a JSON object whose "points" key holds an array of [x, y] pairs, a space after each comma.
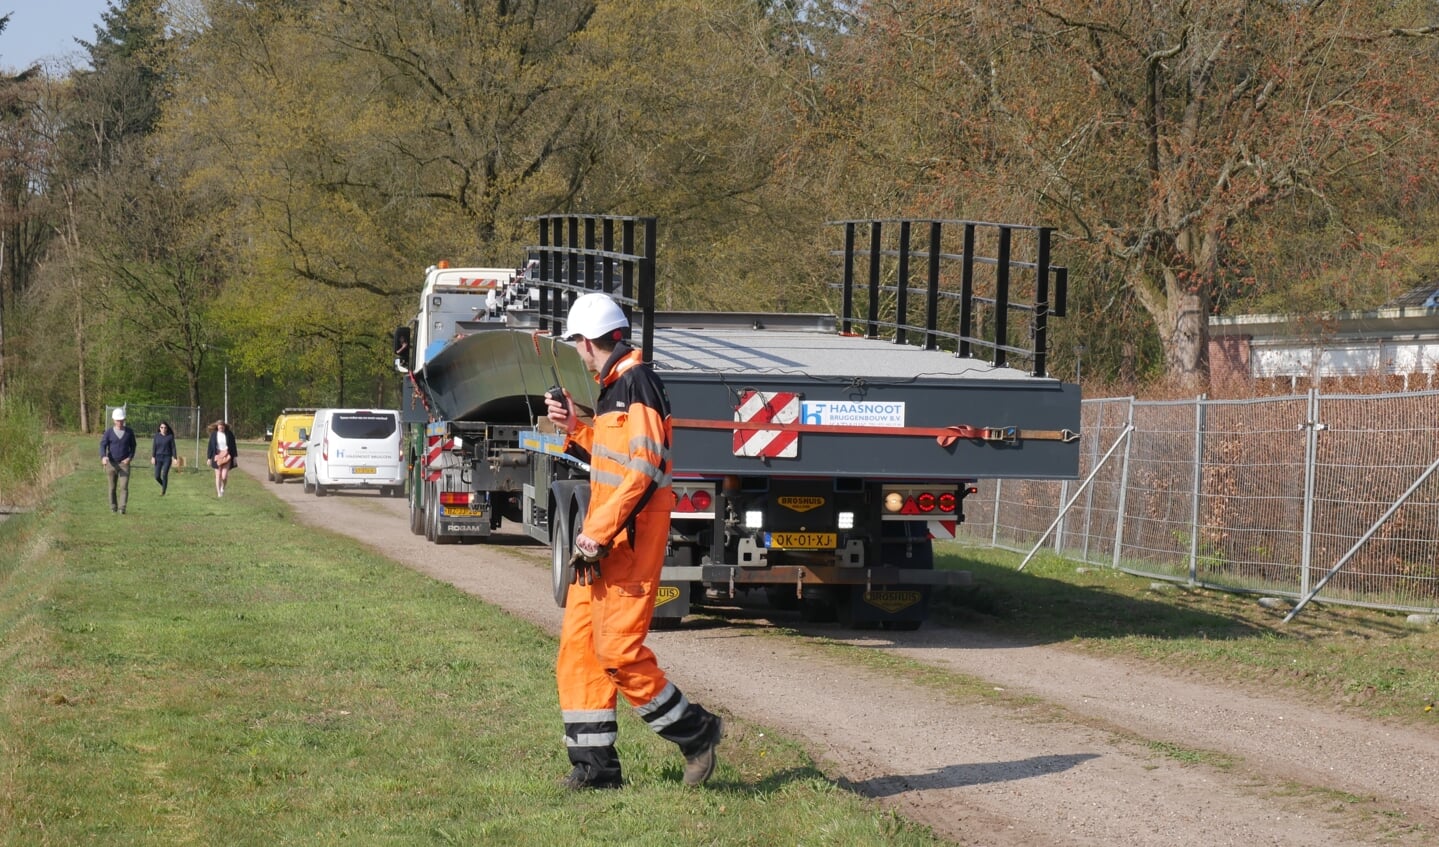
{"points": [[1078, 750]]}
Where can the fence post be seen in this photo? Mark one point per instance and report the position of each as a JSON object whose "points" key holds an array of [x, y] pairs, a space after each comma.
{"points": [[1089, 496], [1059, 528], [994, 524], [1200, 408], [1311, 455], [1123, 488]]}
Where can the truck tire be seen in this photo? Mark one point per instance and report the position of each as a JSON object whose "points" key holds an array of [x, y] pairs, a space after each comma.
{"points": [[562, 541], [430, 512], [417, 518]]}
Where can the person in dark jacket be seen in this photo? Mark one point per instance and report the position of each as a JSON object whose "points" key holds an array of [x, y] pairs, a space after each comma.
{"points": [[221, 453], [117, 448], [162, 453]]}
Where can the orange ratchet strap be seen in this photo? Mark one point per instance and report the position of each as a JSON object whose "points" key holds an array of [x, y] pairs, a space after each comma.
{"points": [[945, 436]]}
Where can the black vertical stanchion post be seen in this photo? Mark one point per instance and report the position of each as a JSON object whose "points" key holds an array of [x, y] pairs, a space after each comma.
{"points": [[901, 300], [966, 294], [1001, 297], [647, 287], [931, 315], [1041, 302], [846, 325], [875, 240]]}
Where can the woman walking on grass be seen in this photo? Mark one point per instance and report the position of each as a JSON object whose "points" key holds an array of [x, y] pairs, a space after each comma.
{"points": [[221, 453], [162, 453]]}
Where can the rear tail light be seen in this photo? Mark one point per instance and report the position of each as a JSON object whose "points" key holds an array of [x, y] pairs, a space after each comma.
{"points": [[921, 500], [454, 498], [689, 500]]}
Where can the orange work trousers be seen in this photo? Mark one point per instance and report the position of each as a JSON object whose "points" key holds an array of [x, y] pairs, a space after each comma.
{"points": [[602, 654]]}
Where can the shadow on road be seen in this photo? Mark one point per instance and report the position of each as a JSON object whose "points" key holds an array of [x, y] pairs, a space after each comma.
{"points": [[955, 776]]}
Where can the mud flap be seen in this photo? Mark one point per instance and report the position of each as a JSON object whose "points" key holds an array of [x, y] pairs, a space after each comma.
{"points": [[672, 603], [904, 544]]}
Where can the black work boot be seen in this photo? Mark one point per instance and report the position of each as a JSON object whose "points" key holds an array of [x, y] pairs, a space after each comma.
{"points": [[581, 778], [701, 764]]}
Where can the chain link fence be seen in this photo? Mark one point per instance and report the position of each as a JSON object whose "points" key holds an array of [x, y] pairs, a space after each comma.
{"points": [[184, 421], [1328, 497]]}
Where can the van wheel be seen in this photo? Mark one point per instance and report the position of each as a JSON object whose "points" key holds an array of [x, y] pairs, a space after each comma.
{"points": [[307, 487], [320, 490]]}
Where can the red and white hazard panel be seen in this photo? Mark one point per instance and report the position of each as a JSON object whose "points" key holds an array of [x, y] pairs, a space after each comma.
{"points": [[434, 446], [292, 460], [779, 407], [942, 530]]}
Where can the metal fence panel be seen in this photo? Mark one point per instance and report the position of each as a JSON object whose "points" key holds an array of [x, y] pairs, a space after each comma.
{"points": [[1266, 495]]}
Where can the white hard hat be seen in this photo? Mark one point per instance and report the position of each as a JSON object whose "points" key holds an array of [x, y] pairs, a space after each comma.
{"points": [[594, 315], [118, 414]]}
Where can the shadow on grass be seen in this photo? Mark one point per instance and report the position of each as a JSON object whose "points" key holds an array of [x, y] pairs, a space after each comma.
{"points": [[1035, 608]]}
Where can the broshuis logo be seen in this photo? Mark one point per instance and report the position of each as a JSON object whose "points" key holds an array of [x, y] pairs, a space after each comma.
{"points": [[801, 504], [892, 601]]}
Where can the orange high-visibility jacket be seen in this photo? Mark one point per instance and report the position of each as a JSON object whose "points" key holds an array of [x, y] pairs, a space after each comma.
{"points": [[627, 447]]}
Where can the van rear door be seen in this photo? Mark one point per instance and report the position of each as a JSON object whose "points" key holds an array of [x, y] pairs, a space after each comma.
{"points": [[364, 447]]}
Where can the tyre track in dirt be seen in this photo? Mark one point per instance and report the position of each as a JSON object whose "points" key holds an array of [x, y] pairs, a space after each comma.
{"points": [[1078, 752]]}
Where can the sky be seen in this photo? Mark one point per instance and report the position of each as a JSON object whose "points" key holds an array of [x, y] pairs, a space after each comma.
{"points": [[45, 30]]}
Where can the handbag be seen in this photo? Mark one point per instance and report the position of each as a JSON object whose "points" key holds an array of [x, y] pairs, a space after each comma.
{"points": [[222, 458]]}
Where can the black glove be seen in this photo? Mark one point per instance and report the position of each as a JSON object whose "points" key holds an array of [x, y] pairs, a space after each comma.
{"points": [[586, 567]]}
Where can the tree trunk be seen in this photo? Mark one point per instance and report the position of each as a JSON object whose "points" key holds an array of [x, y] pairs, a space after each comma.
{"points": [[1186, 341], [80, 365]]}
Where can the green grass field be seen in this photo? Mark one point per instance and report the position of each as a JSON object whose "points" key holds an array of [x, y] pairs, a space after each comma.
{"points": [[204, 671]]}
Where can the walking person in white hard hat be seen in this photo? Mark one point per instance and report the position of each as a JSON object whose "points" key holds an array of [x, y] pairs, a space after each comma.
{"points": [[117, 449], [623, 539]]}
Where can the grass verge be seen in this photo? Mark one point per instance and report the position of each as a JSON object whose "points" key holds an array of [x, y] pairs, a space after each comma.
{"points": [[1372, 662], [205, 671]]}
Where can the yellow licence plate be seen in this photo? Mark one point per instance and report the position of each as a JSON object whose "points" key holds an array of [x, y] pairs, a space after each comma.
{"points": [[803, 540], [461, 512], [363, 470]]}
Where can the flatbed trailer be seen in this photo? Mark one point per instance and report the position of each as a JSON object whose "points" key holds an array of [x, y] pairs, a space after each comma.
{"points": [[816, 456]]}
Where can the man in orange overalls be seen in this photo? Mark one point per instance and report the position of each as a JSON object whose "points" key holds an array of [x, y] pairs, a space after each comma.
{"points": [[625, 532]]}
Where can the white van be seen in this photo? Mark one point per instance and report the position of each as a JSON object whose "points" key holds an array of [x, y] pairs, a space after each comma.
{"points": [[355, 448]]}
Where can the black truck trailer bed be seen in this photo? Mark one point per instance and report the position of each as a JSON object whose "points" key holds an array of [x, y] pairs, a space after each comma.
{"points": [[866, 407]]}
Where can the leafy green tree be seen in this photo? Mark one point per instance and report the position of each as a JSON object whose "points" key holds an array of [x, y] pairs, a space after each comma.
{"points": [[23, 232], [345, 146], [127, 230], [1154, 134]]}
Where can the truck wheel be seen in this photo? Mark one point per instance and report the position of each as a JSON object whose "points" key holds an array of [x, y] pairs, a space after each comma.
{"points": [[562, 541], [417, 518], [430, 513]]}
